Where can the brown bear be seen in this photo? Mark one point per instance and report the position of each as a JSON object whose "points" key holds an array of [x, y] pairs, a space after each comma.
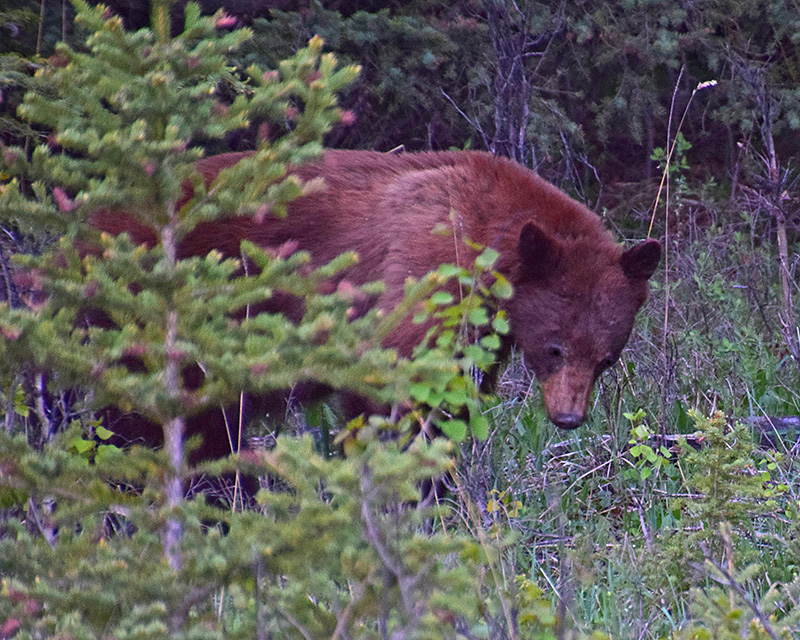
{"points": [[576, 292]]}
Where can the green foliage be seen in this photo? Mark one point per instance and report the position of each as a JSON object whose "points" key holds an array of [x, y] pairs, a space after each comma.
{"points": [[725, 475], [464, 327], [728, 491], [645, 457], [653, 545], [733, 615], [679, 163], [339, 549]]}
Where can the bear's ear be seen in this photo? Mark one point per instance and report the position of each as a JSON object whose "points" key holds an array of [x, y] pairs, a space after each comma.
{"points": [[639, 262], [539, 253]]}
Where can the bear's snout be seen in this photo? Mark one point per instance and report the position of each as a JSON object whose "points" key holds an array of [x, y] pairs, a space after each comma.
{"points": [[567, 420], [566, 396]]}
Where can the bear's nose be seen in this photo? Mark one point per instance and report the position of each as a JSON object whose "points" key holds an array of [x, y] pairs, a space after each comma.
{"points": [[567, 420]]}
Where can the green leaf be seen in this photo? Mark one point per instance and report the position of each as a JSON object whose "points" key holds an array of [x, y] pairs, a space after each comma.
{"points": [[103, 433], [20, 408], [487, 259], [107, 450], [82, 446], [500, 324], [449, 270], [420, 392], [442, 298], [478, 317], [445, 339], [502, 288], [455, 398], [490, 342], [479, 426], [456, 430]]}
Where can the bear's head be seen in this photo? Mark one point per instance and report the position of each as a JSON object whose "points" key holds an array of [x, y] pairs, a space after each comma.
{"points": [[572, 312]]}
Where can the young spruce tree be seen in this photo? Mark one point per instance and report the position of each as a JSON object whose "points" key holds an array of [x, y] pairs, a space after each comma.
{"points": [[124, 131]]}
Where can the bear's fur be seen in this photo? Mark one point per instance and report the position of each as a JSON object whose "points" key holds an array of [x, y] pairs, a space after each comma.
{"points": [[576, 292]]}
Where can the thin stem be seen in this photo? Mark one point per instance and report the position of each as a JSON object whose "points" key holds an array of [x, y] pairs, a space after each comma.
{"points": [[174, 427], [665, 184], [41, 29], [160, 20], [173, 446]]}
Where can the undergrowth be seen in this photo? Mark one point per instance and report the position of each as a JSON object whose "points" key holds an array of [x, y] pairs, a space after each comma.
{"points": [[643, 533]]}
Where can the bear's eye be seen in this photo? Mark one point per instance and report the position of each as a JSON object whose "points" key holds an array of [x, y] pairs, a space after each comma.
{"points": [[555, 351], [608, 362]]}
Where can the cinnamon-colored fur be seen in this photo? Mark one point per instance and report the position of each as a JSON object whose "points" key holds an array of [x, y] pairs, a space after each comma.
{"points": [[575, 291]]}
